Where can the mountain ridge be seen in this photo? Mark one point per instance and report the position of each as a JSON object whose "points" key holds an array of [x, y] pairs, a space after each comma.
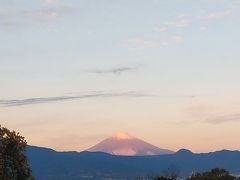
{"points": [[48, 164]]}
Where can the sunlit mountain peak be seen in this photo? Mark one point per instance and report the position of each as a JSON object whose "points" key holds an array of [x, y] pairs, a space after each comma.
{"points": [[122, 136], [125, 144]]}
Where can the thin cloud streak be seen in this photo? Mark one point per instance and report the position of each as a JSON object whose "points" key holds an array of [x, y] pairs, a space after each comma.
{"points": [[149, 42], [181, 23], [41, 100], [118, 70], [215, 15], [52, 13], [212, 115], [224, 118]]}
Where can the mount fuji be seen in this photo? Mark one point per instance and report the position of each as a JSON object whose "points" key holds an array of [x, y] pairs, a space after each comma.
{"points": [[124, 144]]}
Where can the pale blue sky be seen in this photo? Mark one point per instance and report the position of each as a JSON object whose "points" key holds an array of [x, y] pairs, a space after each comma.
{"points": [[143, 66]]}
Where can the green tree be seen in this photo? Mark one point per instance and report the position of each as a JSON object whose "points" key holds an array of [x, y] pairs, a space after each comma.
{"points": [[13, 160], [214, 174]]}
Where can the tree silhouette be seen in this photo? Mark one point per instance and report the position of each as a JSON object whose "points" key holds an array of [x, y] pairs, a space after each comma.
{"points": [[13, 161], [214, 174], [162, 178], [171, 173]]}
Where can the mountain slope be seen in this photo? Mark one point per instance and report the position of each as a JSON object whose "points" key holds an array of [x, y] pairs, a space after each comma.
{"points": [[125, 144], [51, 165]]}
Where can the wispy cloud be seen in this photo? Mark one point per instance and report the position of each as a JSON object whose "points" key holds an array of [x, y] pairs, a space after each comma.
{"points": [[50, 1], [27, 17], [235, 117], [215, 15], [142, 41], [180, 23], [39, 100], [155, 38], [46, 13], [149, 42], [162, 34], [160, 29], [173, 40], [118, 70], [211, 114], [52, 13]]}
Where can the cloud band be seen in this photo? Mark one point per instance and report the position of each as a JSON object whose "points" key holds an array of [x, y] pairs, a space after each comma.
{"points": [[39, 100]]}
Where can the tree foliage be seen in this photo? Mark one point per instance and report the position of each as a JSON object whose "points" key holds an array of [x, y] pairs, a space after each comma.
{"points": [[171, 173], [214, 174], [163, 178], [13, 160]]}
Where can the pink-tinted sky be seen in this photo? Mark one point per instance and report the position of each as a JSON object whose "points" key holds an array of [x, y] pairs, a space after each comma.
{"points": [[74, 72]]}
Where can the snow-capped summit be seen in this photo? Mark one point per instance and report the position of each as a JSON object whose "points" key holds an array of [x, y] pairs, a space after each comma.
{"points": [[125, 144], [122, 136]]}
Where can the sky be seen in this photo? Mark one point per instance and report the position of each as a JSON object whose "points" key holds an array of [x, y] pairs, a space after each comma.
{"points": [[73, 72]]}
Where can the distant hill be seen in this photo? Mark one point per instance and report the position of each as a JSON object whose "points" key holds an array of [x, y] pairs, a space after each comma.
{"points": [[48, 164], [127, 145]]}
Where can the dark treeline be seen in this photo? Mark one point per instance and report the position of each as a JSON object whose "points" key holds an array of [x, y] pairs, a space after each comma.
{"points": [[214, 174]]}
